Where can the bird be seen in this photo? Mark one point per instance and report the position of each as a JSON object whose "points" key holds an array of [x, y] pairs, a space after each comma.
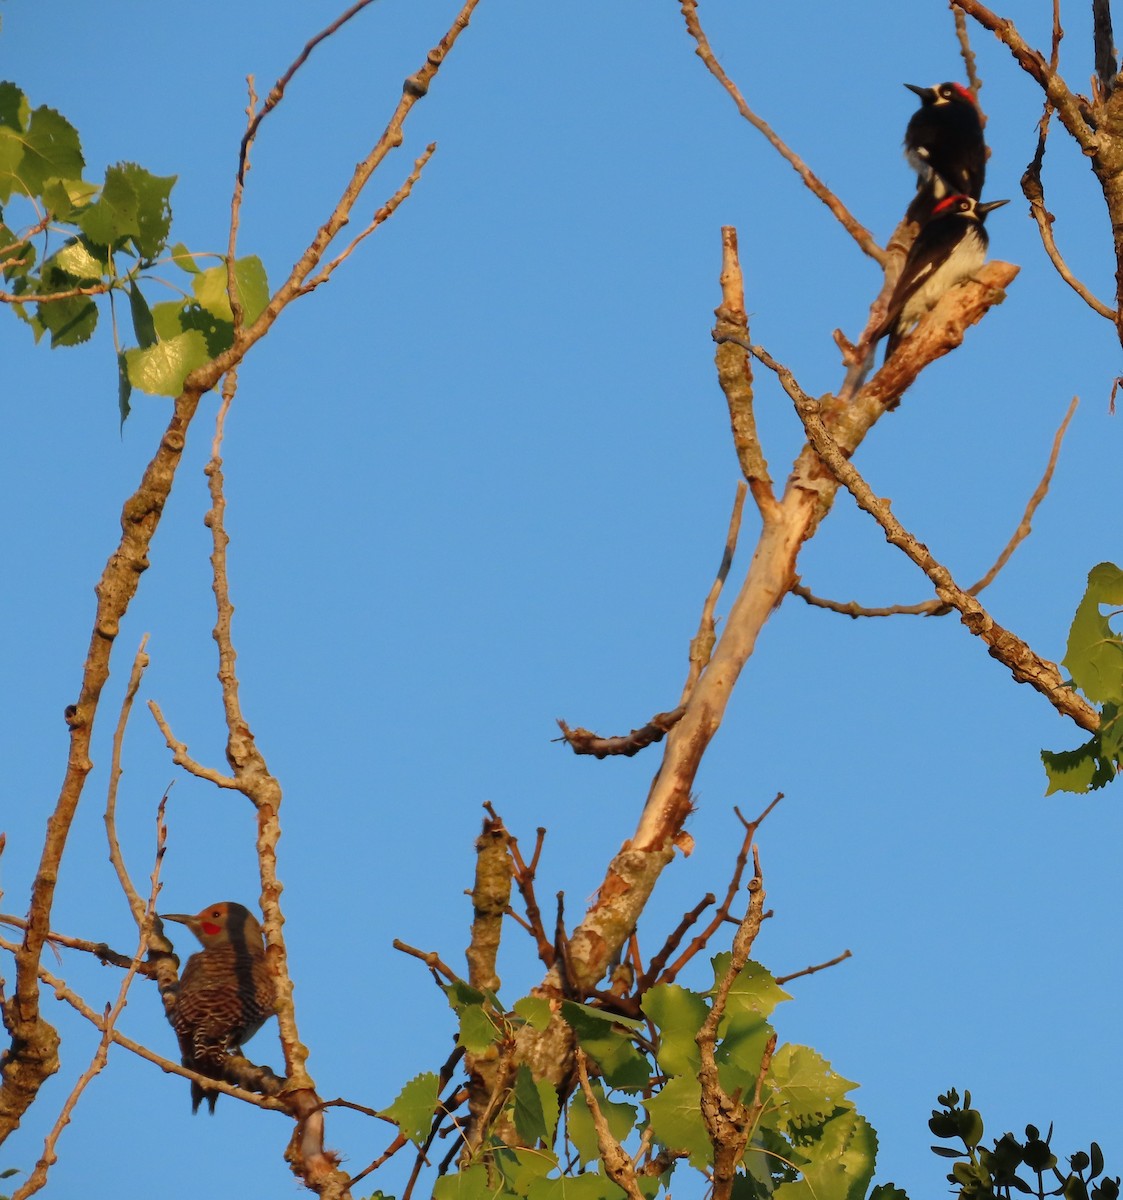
{"points": [[944, 145], [950, 247], [225, 993]]}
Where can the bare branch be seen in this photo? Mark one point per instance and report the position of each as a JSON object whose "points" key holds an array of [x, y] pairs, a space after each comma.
{"points": [[965, 50], [618, 1165], [936, 607], [140, 664], [181, 758], [735, 374], [1025, 665], [277, 91], [1072, 109], [491, 895], [1104, 39], [721, 915], [831, 962], [584, 741], [846, 219], [383, 214], [702, 644]]}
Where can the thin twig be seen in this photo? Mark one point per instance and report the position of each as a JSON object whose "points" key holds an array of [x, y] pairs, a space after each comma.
{"points": [[721, 915], [965, 50], [140, 664], [849, 222], [524, 881], [181, 758], [702, 644], [99, 950], [277, 91], [430, 958], [674, 938], [383, 214], [833, 962]]}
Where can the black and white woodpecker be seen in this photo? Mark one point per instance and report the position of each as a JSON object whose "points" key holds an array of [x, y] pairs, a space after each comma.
{"points": [[944, 145], [950, 247]]}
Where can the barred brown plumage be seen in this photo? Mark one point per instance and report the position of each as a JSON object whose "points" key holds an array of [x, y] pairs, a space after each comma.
{"points": [[225, 993]]}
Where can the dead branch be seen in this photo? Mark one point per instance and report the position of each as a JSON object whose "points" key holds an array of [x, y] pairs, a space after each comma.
{"points": [[936, 607], [584, 741], [735, 375], [842, 214], [491, 897], [674, 938], [1020, 659], [1104, 41], [702, 644], [968, 54], [431, 959], [524, 881]]}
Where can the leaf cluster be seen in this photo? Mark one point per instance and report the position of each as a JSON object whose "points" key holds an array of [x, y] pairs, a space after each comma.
{"points": [[810, 1142], [981, 1174], [88, 240], [1094, 659]]}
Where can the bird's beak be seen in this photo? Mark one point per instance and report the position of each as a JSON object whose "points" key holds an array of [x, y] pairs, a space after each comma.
{"points": [[991, 205], [182, 918], [922, 92]]}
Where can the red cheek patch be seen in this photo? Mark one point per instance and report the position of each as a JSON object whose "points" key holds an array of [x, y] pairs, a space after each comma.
{"points": [[209, 929]]}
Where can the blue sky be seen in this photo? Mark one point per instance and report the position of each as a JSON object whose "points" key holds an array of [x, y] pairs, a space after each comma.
{"points": [[482, 480]]}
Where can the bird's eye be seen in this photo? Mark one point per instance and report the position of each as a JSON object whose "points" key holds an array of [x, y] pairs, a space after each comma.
{"points": [[945, 91]]}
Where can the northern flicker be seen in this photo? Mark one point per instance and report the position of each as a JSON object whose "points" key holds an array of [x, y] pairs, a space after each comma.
{"points": [[225, 993]]}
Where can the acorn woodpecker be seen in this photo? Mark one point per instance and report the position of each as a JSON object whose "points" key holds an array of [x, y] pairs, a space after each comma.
{"points": [[950, 247], [944, 143]]}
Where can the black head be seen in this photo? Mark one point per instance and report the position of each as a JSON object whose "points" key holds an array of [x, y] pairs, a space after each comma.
{"points": [[964, 206], [943, 93]]}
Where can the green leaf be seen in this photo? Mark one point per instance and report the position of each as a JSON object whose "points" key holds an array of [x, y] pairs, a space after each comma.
{"points": [[601, 1035], [161, 369], [124, 389], [679, 1014], [143, 324], [590, 1186], [154, 210], [184, 259], [469, 1184], [65, 198], [535, 1011], [112, 218], [459, 993], [413, 1109], [621, 1120], [1095, 652], [522, 1166], [478, 1029], [888, 1191], [1081, 770], [253, 289], [14, 111], [51, 149], [77, 260], [70, 322], [533, 1122], [675, 1116], [807, 1089], [754, 991]]}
